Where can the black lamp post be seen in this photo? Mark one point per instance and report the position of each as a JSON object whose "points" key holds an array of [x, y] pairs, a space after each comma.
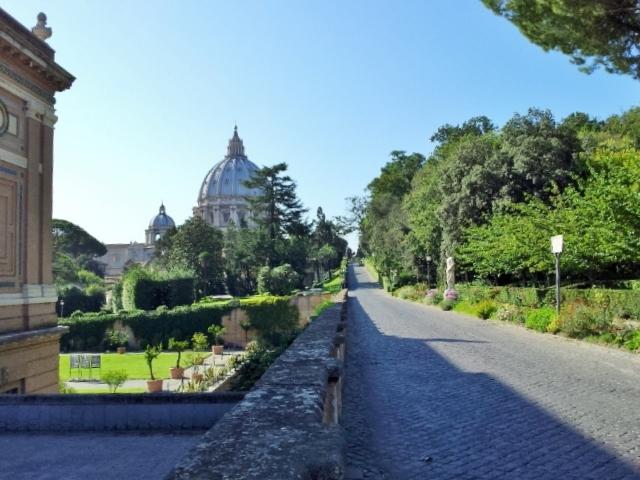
{"points": [[61, 308], [428, 259]]}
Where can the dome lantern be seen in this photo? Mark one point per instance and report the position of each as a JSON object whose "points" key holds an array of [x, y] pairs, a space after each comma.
{"points": [[159, 225]]}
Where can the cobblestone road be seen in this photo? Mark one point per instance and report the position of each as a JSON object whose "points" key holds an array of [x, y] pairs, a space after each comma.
{"points": [[436, 395]]}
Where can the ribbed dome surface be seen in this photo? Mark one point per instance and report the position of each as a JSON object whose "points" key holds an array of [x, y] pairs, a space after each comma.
{"points": [[162, 220], [227, 177]]}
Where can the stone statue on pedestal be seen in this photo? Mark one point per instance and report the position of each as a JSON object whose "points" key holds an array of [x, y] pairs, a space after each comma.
{"points": [[451, 273]]}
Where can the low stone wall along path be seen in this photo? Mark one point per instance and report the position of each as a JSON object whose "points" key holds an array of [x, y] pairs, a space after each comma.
{"points": [[437, 395]]}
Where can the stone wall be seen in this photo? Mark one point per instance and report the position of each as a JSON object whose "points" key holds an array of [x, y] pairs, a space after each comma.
{"points": [[287, 426], [235, 335], [108, 412]]}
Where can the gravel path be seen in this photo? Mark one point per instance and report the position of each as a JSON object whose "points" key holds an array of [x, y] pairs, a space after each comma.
{"points": [[437, 395]]}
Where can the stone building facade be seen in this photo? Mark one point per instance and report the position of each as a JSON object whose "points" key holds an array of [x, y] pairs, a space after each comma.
{"points": [[29, 79], [121, 255], [222, 198]]}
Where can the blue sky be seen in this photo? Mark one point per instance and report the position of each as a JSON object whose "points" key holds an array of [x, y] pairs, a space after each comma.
{"points": [[329, 87]]}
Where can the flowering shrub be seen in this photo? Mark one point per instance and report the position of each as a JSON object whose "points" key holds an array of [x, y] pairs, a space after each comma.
{"points": [[450, 294], [433, 297], [509, 313]]}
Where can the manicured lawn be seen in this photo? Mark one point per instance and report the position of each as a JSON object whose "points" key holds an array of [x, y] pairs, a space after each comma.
{"points": [[133, 363]]}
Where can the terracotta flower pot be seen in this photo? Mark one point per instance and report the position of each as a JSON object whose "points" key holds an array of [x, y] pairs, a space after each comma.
{"points": [[176, 372], [121, 350], [154, 386], [217, 349], [197, 377]]}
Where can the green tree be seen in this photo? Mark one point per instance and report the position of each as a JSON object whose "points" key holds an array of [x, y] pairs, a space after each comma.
{"points": [[383, 228], [242, 259], [73, 249], [197, 247], [73, 240], [595, 33], [281, 280], [277, 207]]}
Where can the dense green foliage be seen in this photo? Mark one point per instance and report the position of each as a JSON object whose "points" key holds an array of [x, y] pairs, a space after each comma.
{"points": [[540, 319], [600, 315], [280, 280], [250, 367], [195, 247], [384, 227], [87, 332], [76, 274], [606, 32], [147, 289], [492, 198], [89, 299], [273, 318], [277, 208], [73, 242]]}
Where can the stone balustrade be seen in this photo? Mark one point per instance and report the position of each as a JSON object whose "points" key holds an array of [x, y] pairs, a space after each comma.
{"points": [[287, 426]]}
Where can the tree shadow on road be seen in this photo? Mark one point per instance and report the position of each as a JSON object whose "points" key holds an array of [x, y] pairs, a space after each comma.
{"points": [[419, 416]]}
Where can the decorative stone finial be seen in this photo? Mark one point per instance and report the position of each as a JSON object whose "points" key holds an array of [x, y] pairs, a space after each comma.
{"points": [[41, 30], [236, 147]]}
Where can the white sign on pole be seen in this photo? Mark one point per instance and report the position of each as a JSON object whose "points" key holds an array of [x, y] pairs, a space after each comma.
{"points": [[557, 242]]}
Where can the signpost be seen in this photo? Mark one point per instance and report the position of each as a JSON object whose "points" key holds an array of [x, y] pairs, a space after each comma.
{"points": [[557, 244]]}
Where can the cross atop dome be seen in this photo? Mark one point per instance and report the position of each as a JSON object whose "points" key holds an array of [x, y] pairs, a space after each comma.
{"points": [[236, 147]]}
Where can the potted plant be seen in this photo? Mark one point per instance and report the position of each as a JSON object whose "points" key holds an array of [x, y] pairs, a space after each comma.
{"points": [[199, 342], [119, 340], [216, 332], [177, 346], [150, 354], [196, 362]]}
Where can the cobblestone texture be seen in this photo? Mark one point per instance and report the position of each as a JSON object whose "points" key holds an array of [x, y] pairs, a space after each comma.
{"points": [[437, 395]]}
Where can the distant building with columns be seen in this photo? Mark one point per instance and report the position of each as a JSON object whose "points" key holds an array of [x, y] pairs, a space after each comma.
{"points": [[222, 198], [29, 335], [121, 255]]}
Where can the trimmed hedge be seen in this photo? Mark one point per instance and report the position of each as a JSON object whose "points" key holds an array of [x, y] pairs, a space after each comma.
{"points": [[150, 294], [273, 318], [625, 303], [141, 290], [86, 332], [75, 299]]}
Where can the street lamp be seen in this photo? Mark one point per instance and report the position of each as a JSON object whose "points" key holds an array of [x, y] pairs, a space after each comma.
{"points": [[557, 243], [61, 308], [428, 259]]}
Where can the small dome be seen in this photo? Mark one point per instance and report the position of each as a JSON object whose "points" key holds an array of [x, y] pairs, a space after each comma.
{"points": [[227, 177], [162, 220]]}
